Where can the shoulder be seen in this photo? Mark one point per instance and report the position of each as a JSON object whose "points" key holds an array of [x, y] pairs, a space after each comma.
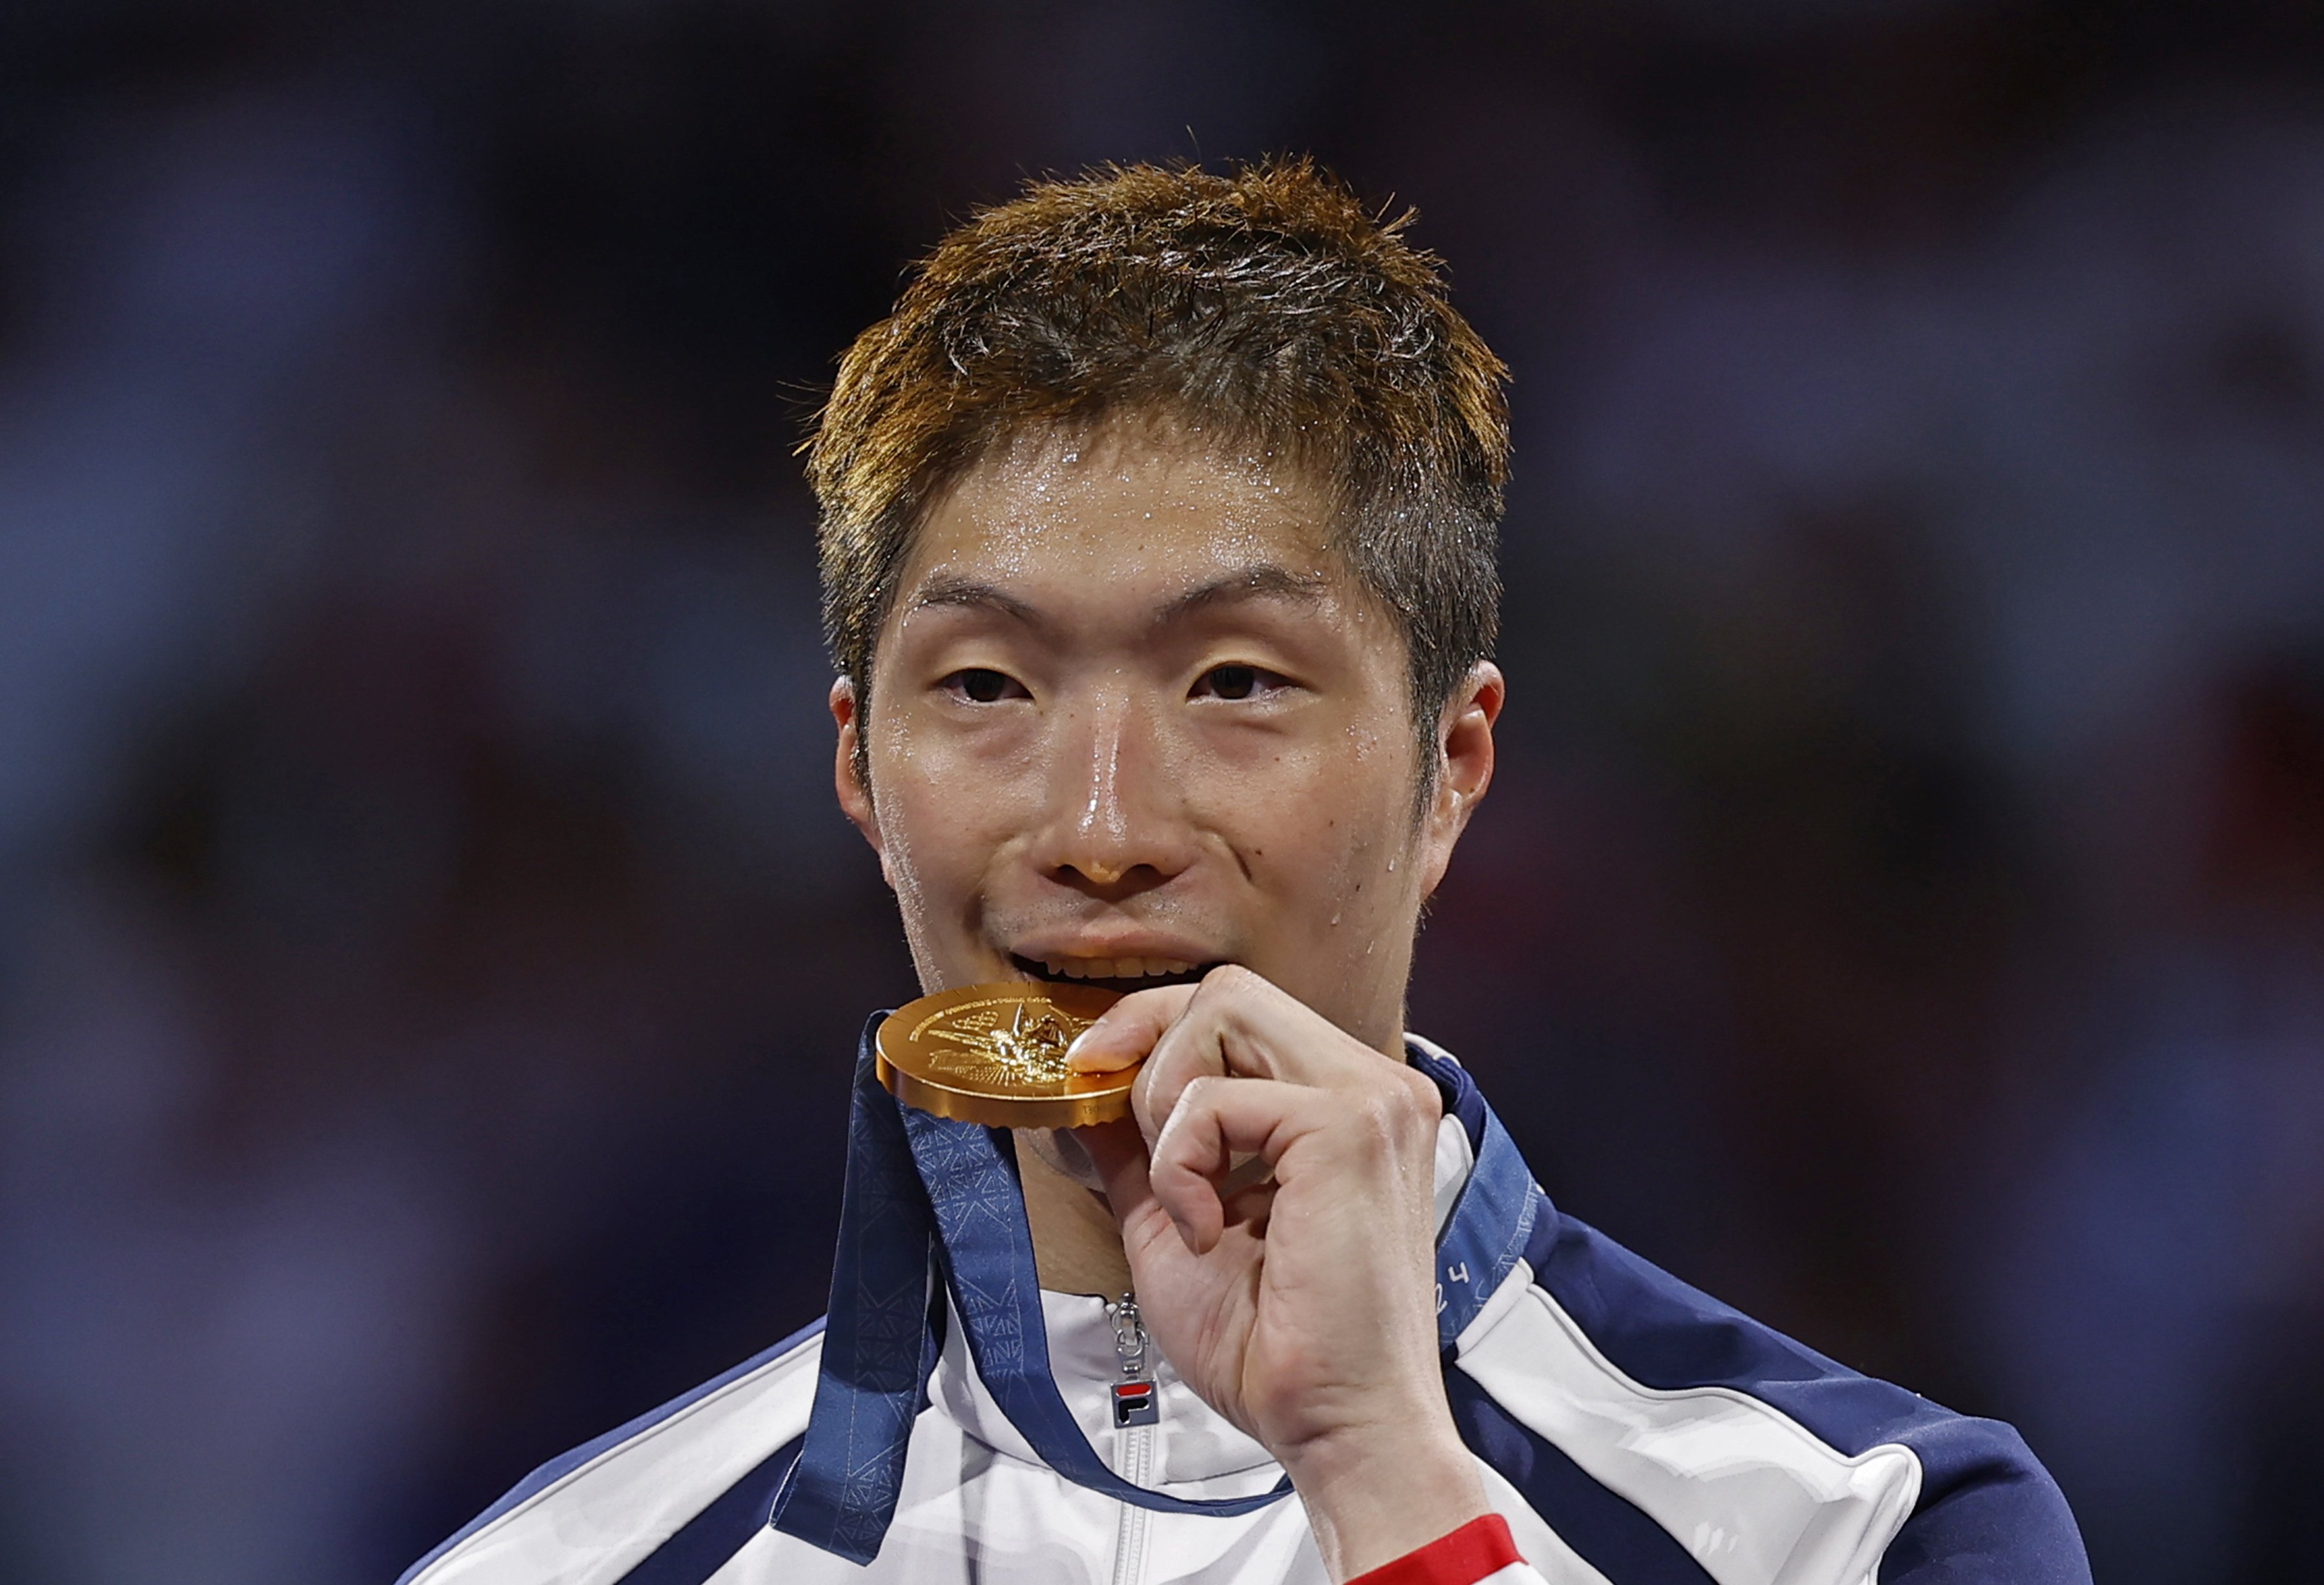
{"points": [[1661, 1433], [598, 1511]]}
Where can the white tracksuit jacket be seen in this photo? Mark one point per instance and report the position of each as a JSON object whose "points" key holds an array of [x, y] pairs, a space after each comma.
{"points": [[1631, 1430]]}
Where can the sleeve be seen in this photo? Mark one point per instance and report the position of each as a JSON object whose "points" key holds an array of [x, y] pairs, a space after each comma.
{"points": [[1987, 1512], [1480, 1552], [1643, 1420]]}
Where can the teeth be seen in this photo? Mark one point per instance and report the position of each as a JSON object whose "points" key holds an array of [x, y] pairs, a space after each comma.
{"points": [[1114, 968]]}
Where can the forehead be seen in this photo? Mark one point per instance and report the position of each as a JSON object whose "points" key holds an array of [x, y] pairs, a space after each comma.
{"points": [[1130, 503]]}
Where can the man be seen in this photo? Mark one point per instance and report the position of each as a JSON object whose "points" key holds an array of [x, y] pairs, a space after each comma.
{"points": [[1157, 548]]}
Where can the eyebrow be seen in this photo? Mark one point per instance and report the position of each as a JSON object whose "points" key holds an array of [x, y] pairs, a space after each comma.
{"points": [[1260, 581], [975, 595]]}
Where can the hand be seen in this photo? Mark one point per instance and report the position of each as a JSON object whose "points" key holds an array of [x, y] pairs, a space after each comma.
{"points": [[1300, 1306]]}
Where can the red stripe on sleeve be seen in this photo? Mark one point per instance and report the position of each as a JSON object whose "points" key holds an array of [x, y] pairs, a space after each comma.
{"points": [[1476, 1549]]}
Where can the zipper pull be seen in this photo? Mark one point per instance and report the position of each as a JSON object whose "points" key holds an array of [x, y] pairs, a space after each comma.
{"points": [[1135, 1401]]}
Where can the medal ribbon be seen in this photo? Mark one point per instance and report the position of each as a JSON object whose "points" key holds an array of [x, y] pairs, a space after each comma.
{"points": [[931, 1199]]}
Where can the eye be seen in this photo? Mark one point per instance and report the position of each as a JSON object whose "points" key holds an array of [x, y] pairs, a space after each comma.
{"points": [[1238, 682], [980, 684]]}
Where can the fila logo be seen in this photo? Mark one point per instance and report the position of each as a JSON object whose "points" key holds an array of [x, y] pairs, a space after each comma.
{"points": [[1134, 1403]]}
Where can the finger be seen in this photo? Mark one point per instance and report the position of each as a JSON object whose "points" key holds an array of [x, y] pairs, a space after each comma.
{"points": [[1211, 1038], [1238, 1023], [1185, 1053], [1214, 1121], [1242, 1023], [1125, 1031]]}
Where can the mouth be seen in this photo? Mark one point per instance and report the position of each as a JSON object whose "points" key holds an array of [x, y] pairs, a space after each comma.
{"points": [[1122, 974]]}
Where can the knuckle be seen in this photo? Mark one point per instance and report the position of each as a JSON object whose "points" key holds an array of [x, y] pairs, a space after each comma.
{"points": [[1229, 982], [1376, 1116], [1420, 1094], [1401, 1115]]}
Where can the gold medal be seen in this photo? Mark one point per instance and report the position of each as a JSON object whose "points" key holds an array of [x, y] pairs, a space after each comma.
{"points": [[996, 1055]]}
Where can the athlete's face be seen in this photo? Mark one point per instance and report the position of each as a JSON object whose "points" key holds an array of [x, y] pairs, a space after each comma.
{"points": [[1131, 719]]}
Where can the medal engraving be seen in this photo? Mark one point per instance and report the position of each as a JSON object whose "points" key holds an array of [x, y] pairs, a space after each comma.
{"points": [[996, 1055], [1028, 1051]]}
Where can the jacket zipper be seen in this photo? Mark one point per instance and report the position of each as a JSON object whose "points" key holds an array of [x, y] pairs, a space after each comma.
{"points": [[1137, 1409]]}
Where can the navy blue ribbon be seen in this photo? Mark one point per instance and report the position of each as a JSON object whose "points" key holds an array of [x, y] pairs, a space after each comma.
{"points": [[933, 1205], [879, 1338]]}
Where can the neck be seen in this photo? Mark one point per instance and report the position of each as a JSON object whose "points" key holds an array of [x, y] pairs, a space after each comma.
{"points": [[1076, 1244]]}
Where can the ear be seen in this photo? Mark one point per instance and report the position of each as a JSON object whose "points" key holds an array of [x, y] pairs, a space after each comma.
{"points": [[854, 798], [1464, 768]]}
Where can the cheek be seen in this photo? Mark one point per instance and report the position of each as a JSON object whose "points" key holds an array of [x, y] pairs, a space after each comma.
{"points": [[943, 811], [1322, 830], [921, 826]]}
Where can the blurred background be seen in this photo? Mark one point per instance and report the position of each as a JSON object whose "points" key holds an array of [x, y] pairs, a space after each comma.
{"points": [[430, 957]]}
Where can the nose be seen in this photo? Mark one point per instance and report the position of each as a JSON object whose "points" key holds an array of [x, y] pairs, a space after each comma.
{"points": [[1117, 825]]}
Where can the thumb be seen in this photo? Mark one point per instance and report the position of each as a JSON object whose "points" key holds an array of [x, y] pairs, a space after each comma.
{"points": [[1125, 1031]]}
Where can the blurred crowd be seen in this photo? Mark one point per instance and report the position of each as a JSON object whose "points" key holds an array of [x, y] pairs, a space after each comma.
{"points": [[429, 955]]}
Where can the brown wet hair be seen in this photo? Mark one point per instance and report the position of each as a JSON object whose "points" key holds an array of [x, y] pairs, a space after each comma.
{"points": [[1267, 307]]}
